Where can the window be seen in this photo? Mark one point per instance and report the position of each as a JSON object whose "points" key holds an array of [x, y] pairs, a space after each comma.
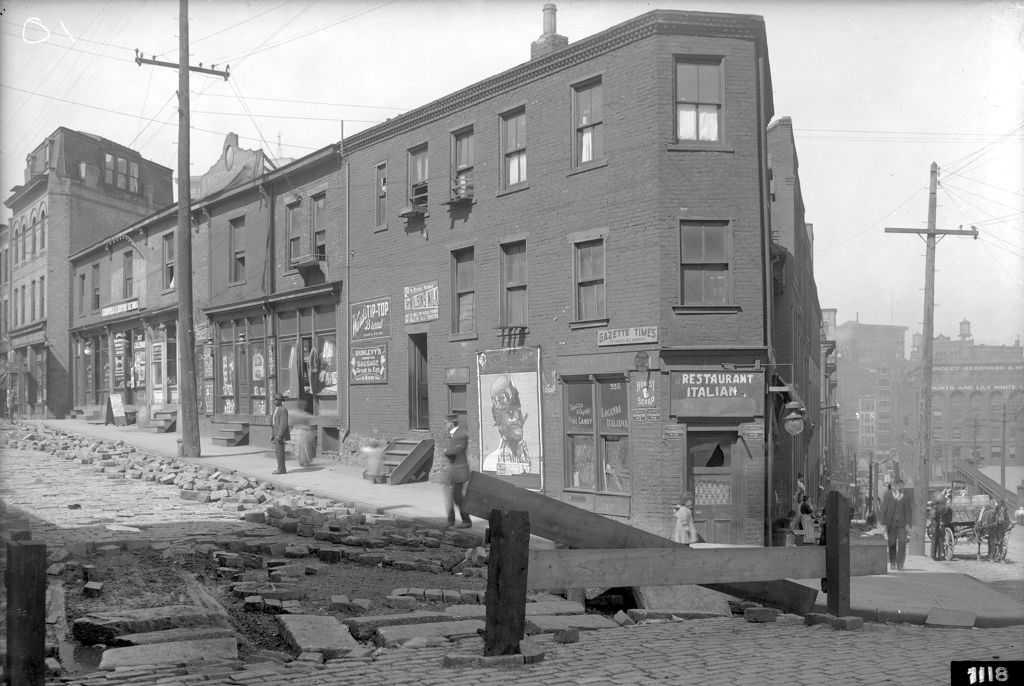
{"points": [[236, 238], [514, 304], [291, 225], [32, 229], [3, 266], [464, 297], [42, 297], [21, 307], [698, 100], [513, 148], [382, 192], [122, 173], [32, 302], [589, 277], [316, 221], [42, 229], [597, 435], [419, 173], [108, 169], [704, 263], [95, 287], [128, 277], [24, 239], [588, 119], [117, 171], [81, 293], [168, 261], [462, 165], [133, 177], [457, 401]]}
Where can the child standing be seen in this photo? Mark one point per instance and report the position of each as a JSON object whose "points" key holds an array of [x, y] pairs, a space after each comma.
{"points": [[685, 532]]}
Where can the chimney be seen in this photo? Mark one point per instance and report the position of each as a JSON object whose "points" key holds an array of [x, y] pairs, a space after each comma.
{"points": [[549, 41]]}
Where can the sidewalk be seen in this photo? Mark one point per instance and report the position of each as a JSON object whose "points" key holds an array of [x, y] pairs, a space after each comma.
{"points": [[925, 592]]}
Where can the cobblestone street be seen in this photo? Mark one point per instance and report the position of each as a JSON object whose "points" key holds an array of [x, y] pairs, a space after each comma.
{"points": [[68, 502]]}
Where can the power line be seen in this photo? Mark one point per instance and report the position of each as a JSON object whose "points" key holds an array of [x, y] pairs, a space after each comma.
{"points": [[979, 195], [285, 116], [313, 102], [873, 224]]}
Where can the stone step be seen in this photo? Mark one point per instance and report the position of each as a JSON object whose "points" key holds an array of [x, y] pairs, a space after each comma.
{"points": [[187, 652], [317, 634], [105, 627], [395, 636], [545, 607], [173, 635]]}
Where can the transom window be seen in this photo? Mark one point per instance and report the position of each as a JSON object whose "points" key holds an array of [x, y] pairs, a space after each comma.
{"points": [[705, 256], [588, 118], [513, 147], [514, 303], [698, 100], [588, 269]]}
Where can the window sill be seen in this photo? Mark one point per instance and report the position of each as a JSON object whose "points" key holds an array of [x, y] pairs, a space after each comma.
{"points": [[706, 309], [380, 229], [513, 189], [594, 491], [588, 323], [168, 291], [589, 166], [470, 336], [694, 146]]}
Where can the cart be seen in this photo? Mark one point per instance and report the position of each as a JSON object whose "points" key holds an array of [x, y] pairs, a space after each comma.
{"points": [[964, 529]]}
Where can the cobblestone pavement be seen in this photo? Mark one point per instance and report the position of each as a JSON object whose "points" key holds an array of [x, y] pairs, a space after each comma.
{"points": [[708, 651]]}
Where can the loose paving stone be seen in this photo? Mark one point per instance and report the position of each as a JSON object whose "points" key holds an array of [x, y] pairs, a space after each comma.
{"points": [[169, 653], [547, 624], [941, 616], [363, 628], [394, 636], [104, 627], [317, 634], [173, 635]]}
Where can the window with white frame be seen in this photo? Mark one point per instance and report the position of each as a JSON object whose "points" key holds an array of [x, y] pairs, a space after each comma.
{"points": [[462, 164], [168, 261], [514, 302], [513, 148], [95, 287], [597, 434], [588, 121], [705, 261], [464, 292], [588, 276], [292, 231], [317, 228], [698, 99], [419, 175]]}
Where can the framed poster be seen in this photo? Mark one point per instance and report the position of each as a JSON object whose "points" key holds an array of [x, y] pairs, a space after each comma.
{"points": [[510, 415], [369, 364], [370, 319]]}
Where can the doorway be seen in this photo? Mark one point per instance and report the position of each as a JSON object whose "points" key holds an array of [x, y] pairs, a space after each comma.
{"points": [[711, 462], [419, 405]]}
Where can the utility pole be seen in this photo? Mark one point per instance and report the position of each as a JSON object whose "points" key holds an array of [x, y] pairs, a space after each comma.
{"points": [[920, 473], [188, 396], [1002, 455]]}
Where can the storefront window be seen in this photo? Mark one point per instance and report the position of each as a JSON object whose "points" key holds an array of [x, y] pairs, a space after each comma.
{"points": [[328, 371], [598, 447], [172, 363], [258, 376], [288, 369]]}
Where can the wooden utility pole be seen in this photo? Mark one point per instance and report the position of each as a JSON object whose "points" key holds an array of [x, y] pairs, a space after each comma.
{"points": [[920, 473], [188, 395]]}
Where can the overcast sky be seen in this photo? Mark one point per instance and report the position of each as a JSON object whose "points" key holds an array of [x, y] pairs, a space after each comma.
{"points": [[876, 92]]}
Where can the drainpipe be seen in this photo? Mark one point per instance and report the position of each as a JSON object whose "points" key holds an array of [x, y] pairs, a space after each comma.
{"points": [[346, 289]]}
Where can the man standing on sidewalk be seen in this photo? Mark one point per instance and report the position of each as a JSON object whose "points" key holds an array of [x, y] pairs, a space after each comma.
{"points": [[458, 471], [280, 432], [896, 518]]}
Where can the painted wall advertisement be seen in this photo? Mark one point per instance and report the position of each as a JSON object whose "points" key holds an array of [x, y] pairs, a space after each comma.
{"points": [[644, 396], [370, 319], [369, 364], [701, 393], [421, 303], [510, 428]]}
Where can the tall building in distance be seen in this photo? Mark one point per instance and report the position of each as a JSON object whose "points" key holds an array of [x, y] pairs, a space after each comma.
{"points": [[78, 188]]}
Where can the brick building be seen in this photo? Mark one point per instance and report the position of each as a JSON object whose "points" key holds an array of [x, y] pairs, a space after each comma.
{"points": [[78, 189], [5, 304]]}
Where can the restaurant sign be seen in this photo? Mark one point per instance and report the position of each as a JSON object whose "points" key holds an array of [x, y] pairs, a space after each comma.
{"points": [[628, 336], [699, 393]]}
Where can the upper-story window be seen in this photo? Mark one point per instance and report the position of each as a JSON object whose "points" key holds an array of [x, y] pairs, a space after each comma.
{"points": [[42, 229], [42, 297], [317, 226], [382, 193], [81, 293], [128, 275], [588, 271], [95, 287], [588, 119], [514, 303], [291, 227], [464, 291], [513, 148], [705, 261], [462, 164], [167, 280], [32, 231], [118, 171], [4, 267], [32, 302], [419, 174], [698, 100], [236, 239]]}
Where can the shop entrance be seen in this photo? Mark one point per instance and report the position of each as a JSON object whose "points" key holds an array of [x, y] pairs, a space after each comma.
{"points": [[711, 473], [419, 405]]}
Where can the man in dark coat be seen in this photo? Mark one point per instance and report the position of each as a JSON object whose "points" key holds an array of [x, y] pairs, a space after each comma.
{"points": [[458, 471], [280, 432], [897, 518]]}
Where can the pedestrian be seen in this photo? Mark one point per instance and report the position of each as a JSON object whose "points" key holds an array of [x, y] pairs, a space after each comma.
{"points": [[458, 472], [807, 520], [801, 489], [685, 531], [280, 432], [897, 520], [942, 516]]}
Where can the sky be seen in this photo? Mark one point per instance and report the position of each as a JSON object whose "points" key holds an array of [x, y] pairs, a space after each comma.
{"points": [[877, 91]]}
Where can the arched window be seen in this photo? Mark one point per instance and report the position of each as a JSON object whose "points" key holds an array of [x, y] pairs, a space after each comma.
{"points": [[15, 236], [42, 229], [32, 230]]}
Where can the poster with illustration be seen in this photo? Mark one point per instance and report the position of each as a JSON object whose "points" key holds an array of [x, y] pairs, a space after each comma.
{"points": [[510, 416]]}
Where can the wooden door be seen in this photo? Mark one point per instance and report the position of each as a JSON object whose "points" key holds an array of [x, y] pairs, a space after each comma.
{"points": [[419, 402], [712, 475]]}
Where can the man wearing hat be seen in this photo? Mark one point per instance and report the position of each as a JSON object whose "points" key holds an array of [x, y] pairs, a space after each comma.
{"points": [[458, 471], [280, 432], [897, 518]]}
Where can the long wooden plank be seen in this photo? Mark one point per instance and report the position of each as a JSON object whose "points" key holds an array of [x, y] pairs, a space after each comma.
{"points": [[604, 568], [553, 519]]}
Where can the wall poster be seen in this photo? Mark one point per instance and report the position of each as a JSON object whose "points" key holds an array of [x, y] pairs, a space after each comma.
{"points": [[369, 364], [510, 415], [370, 319]]}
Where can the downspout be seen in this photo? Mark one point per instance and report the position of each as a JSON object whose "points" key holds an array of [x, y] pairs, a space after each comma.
{"points": [[346, 287]]}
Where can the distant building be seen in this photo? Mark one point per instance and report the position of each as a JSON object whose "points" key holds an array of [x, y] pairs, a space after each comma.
{"points": [[78, 189]]}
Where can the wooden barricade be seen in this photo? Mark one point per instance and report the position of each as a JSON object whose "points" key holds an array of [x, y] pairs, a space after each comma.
{"points": [[25, 663]]}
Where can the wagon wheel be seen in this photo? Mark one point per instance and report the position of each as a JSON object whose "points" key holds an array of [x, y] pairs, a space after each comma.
{"points": [[948, 543]]}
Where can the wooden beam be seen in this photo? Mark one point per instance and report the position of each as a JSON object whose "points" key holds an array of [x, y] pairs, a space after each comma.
{"points": [[605, 568], [505, 617], [26, 613], [837, 554]]}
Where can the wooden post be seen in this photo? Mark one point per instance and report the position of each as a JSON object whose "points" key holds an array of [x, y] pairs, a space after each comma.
{"points": [[507, 567], [26, 613], [837, 553]]}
